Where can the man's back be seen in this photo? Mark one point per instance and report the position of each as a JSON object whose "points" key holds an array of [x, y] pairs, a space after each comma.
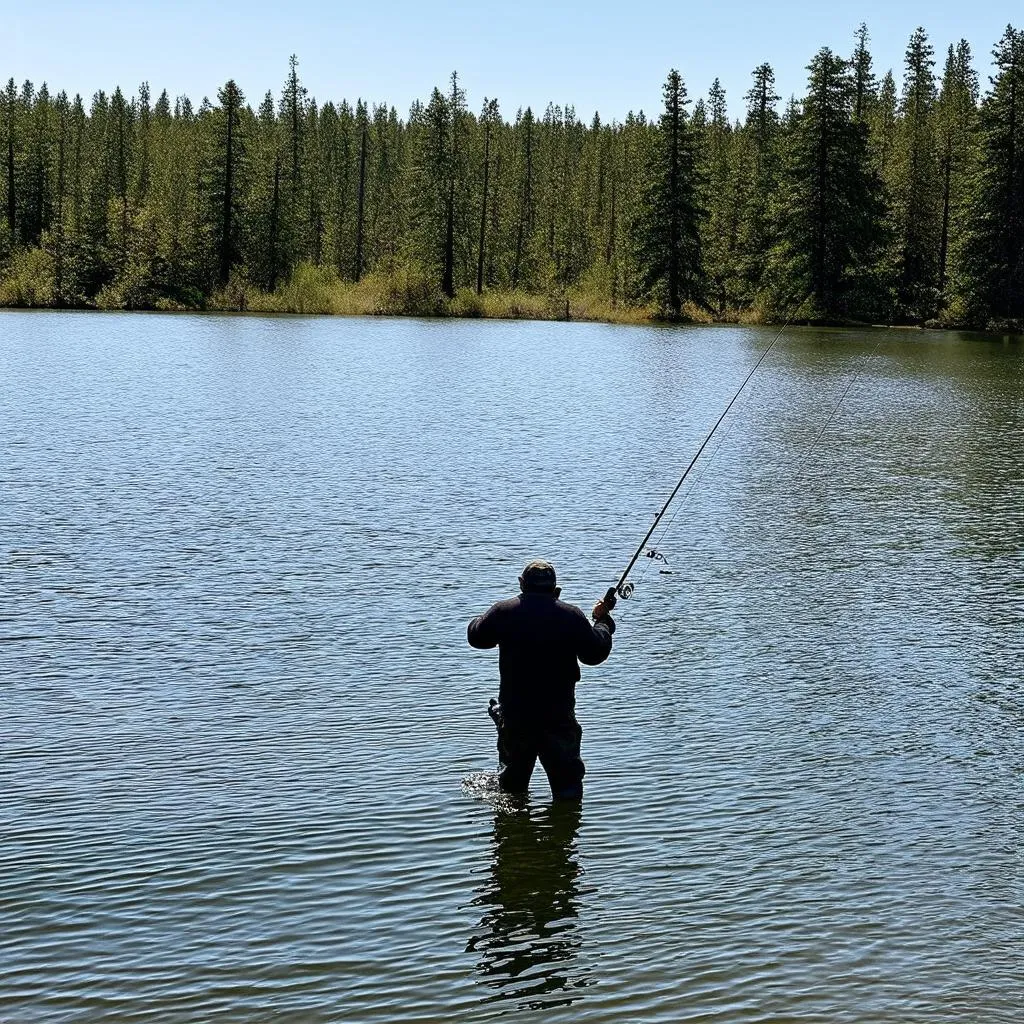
{"points": [[541, 641]]}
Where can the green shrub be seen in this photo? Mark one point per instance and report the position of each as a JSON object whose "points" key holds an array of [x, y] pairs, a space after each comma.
{"points": [[309, 290], [468, 303], [30, 281]]}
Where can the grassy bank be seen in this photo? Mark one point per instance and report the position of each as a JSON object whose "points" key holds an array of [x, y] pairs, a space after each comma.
{"points": [[404, 292], [29, 284], [409, 293]]}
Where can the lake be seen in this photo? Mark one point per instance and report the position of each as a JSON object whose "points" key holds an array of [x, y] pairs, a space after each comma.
{"points": [[243, 735]]}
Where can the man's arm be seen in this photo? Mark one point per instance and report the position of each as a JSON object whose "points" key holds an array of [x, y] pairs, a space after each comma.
{"points": [[594, 643], [483, 631]]}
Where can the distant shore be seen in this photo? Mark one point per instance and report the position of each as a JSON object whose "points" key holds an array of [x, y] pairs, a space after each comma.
{"points": [[326, 295]]}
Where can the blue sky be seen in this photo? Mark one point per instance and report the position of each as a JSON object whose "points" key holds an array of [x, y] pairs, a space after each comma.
{"points": [[597, 56]]}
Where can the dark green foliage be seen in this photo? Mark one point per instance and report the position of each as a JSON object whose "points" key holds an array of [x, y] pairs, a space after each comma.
{"points": [[757, 170], [434, 218], [11, 143], [956, 113], [830, 220], [721, 167], [489, 120], [668, 228], [993, 265], [884, 199], [865, 87], [916, 203], [226, 178]]}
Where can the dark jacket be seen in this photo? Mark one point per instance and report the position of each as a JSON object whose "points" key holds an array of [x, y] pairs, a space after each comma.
{"points": [[540, 641]]}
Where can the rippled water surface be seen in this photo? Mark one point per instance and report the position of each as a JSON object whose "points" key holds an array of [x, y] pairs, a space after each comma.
{"points": [[237, 558]]}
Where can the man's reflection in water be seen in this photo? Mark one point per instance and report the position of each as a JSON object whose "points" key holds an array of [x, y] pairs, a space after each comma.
{"points": [[528, 940]]}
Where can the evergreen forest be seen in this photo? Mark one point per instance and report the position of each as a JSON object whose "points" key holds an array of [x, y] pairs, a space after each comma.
{"points": [[878, 198]]}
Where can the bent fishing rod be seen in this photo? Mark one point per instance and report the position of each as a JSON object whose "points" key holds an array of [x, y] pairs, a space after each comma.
{"points": [[622, 588]]}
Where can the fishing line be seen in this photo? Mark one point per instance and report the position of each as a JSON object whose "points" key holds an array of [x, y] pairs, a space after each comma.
{"points": [[622, 588], [641, 574], [805, 462], [654, 554]]}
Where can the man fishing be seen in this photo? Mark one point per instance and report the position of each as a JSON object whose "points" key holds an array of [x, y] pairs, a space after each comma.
{"points": [[541, 641]]}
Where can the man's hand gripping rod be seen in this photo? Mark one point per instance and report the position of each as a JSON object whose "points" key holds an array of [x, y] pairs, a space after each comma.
{"points": [[605, 605]]}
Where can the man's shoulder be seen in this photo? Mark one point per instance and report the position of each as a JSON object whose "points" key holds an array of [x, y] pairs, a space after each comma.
{"points": [[570, 610], [508, 604]]}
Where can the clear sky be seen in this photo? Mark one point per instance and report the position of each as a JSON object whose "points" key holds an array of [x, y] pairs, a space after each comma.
{"points": [[604, 56]]}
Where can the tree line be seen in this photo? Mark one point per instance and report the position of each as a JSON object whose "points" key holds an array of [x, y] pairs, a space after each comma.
{"points": [[866, 199]]}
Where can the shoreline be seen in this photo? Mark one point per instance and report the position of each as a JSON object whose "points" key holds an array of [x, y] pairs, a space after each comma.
{"points": [[630, 317]]}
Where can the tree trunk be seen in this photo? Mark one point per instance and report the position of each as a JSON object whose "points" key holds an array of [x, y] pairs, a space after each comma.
{"points": [[483, 213], [11, 205], [58, 263], [275, 216], [674, 299], [448, 275], [944, 235], [229, 169], [361, 206], [526, 213]]}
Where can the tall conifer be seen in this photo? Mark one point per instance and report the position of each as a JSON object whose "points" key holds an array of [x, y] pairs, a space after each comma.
{"points": [[994, 254], [916, 206], [668, 229], [830, 218], [956, 111]]}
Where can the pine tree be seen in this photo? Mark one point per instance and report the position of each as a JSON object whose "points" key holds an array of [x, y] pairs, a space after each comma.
{"points": [[457, 116], [441, 194], [162, 197], [757, 159], [638, 146], [916, 209], [144, 130], [94, 266], [955, 116], [121, 130], [339, 125], [830, 219], [497, 233], [38, 208], [313, 185], [435, 196], [362, 125], [262, 235], [57, 240], [489, 117], [389, 199], [68, 291], [527, 209], [865, 85], [668, 231], [993, 264], [720, 200], [882, 128], [292, 222], [9, 106], [226, 194]]}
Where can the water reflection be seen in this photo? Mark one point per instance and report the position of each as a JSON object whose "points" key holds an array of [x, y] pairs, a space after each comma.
{"points": [[527, 939]]}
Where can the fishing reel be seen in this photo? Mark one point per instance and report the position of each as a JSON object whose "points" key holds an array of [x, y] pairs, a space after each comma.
{"points": [[624, 591]]}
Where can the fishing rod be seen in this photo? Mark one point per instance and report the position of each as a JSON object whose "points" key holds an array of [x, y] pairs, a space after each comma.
{"points": [[622, 588]]}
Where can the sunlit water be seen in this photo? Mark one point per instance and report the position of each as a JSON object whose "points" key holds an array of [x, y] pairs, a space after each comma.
{"points": [[237, 558]]}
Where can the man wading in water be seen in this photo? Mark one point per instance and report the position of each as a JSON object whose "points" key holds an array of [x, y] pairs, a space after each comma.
{"points": [[540, 642]]}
